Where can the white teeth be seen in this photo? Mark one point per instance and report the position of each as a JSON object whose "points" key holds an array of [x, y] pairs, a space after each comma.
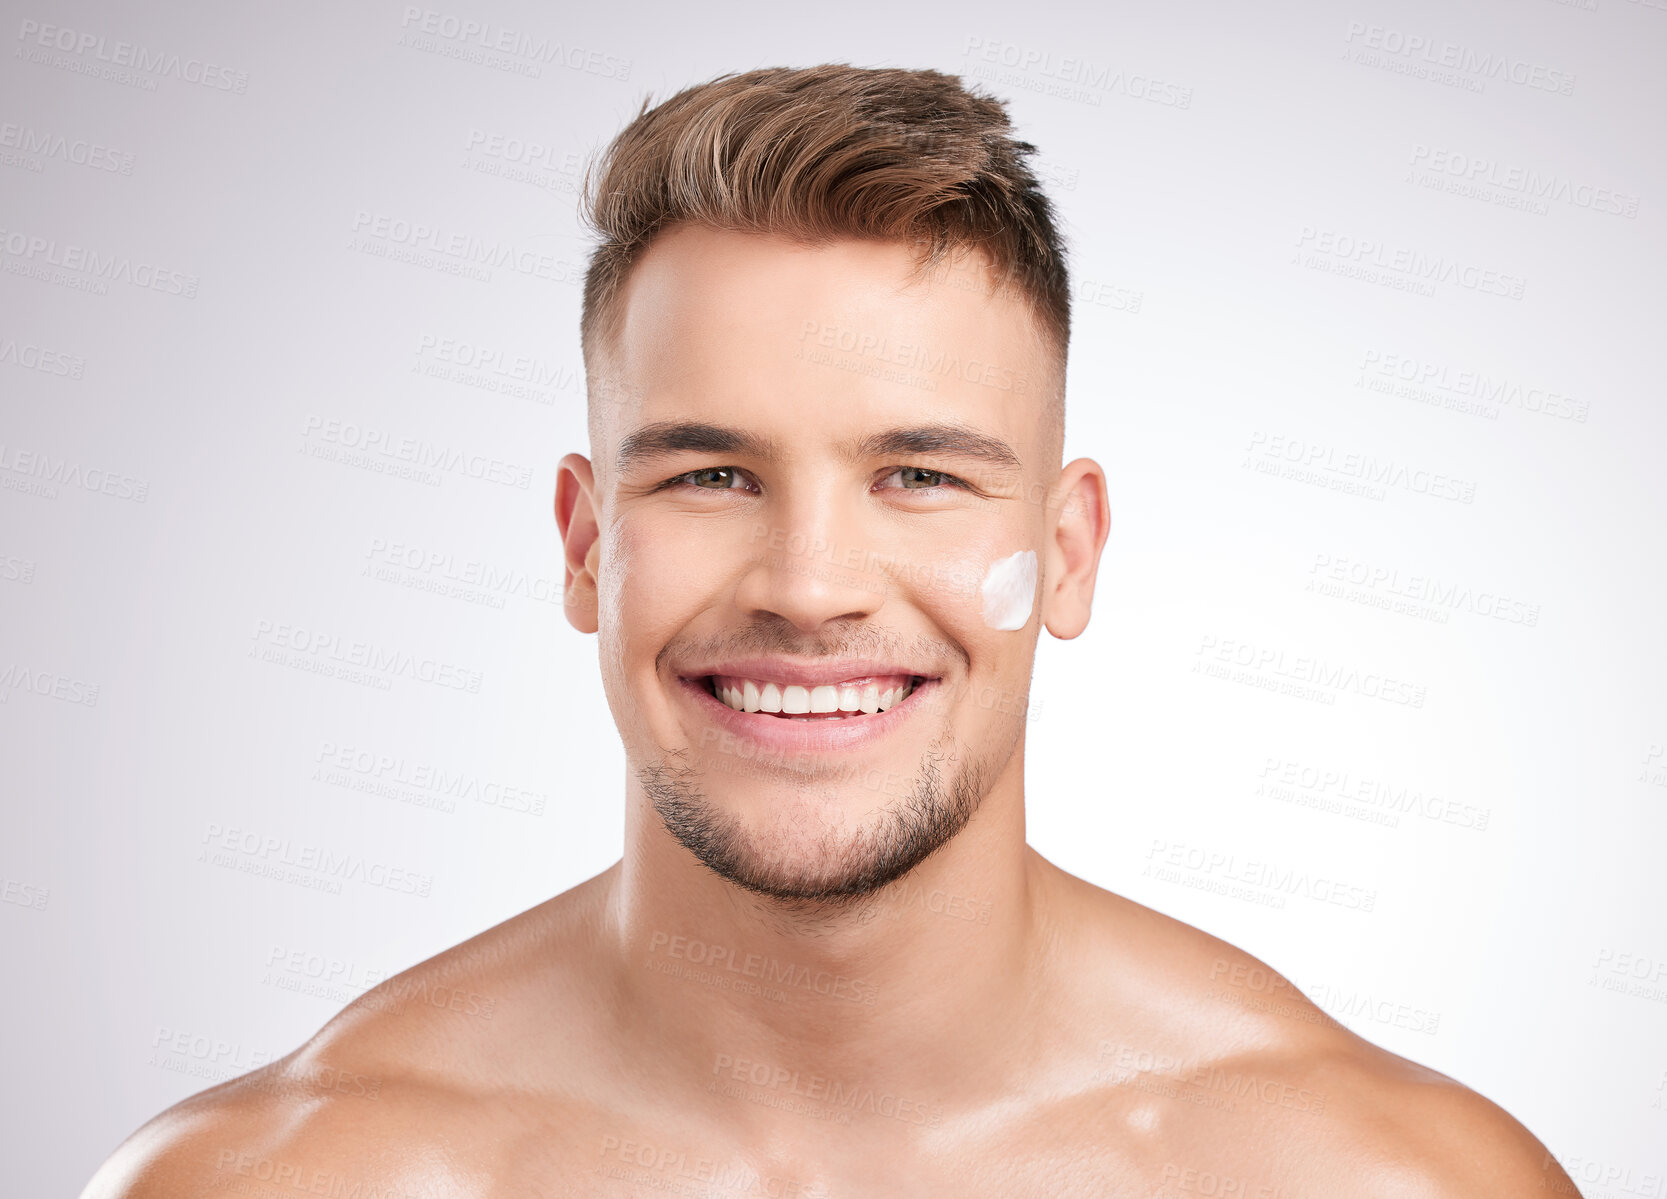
{"points": [[822, 700]]}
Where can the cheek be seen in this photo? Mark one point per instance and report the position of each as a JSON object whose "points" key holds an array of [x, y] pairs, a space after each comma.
{"points": [[986, 597], [643, 585], [632, 576], [992, 589], [655, 578], [980, 593]]}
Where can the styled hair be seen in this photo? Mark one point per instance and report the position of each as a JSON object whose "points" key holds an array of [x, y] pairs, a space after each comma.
{"points": [[820, 153]]}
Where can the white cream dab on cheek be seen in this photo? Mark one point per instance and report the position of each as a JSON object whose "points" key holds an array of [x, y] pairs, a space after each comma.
{"points": [[1009, 590]]}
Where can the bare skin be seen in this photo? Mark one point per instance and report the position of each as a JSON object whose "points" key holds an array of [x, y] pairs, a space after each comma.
{"points": [[793, 1021]]}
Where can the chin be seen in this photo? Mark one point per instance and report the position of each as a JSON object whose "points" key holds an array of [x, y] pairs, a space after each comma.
{"points": [[827, 842]]}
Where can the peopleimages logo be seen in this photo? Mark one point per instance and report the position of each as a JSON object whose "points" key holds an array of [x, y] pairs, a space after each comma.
{"points": [[255, 853], [1433, 382], [1275, 663], [361, 443], [451, 785], [466, 249], [928, 360], [841, 1097], [38, 472], [493, 368], [527, 152], [328, 648], [421, 566], [1368, 469], [34, 357], [1226, 869], [1418, 588], [41, 143], [1133, 1063], [763, 968], [1481, 171], [37, 252], [17, 677], [485, 36], [1413, 48], [1370, 255], [97, 48], [1281, 778], [24, 895], [1066, 75]]}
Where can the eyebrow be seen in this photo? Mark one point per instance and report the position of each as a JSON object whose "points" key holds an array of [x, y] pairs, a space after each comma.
{"points": [[665, 438], [945, 440]]}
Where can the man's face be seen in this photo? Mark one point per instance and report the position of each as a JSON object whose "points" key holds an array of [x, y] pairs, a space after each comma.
{"points": [[806, 467]]}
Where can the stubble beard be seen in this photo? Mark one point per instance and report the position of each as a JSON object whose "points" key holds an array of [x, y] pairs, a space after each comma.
{"points": [[801, 869]]}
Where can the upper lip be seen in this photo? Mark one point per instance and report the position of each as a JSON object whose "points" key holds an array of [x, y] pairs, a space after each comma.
{"points": [[804, 672]]}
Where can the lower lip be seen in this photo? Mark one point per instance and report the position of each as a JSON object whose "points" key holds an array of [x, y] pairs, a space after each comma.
{"points": [[845, 734]]}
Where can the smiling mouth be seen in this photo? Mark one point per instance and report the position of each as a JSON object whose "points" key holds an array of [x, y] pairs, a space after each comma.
{"points": [[851, 699]]}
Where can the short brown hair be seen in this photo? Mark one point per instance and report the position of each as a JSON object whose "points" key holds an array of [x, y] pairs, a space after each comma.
{"points": [[825, 152]]}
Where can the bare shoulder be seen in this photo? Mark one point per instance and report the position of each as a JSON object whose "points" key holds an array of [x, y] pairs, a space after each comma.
{"points": [[1226, 1057], [386, 1096], [1412, 1131], [1439, 1138]]}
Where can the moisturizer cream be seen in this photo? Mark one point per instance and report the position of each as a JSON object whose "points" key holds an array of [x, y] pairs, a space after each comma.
{"points": [[1009, 590]]}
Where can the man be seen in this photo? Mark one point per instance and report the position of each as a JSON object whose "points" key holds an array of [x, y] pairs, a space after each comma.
{"points": [[824, 521]]}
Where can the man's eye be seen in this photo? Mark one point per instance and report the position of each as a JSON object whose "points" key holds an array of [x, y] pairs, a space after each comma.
{"points": [[729, 478], [709, 478], [918, 478]]}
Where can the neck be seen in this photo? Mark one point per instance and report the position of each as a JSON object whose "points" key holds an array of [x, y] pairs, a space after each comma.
{"points": [[896, 991]]}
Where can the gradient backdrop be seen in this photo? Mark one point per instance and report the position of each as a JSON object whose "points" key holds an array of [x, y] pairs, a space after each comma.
{"points": [[1369, 321]]}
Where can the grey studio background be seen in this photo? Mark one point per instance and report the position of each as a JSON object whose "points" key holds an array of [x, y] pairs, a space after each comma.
{"points": [[1367, 336]]}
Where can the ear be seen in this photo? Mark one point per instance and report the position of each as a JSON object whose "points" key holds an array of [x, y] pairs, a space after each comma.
{"points": [[1073, 552], [581, 540]]}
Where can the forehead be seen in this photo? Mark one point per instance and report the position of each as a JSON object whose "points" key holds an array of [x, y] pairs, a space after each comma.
{"points": [[756, 328]]}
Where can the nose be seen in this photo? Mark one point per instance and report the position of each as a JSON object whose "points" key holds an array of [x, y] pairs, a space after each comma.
{"points": [[813, 565]]}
